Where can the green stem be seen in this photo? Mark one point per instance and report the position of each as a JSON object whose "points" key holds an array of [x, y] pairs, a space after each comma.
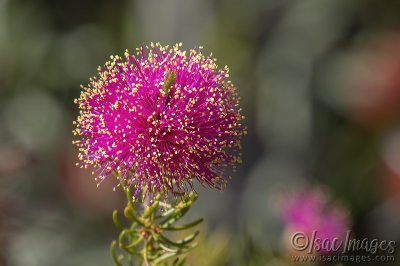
{"points": [[143, 241]]}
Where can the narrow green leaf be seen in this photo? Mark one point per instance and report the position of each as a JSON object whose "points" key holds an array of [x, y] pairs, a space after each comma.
{"points": [[128, 233], [183, 227], [179, 213], [116, 221], [188, 239], [163, 257], [181, 243], [131, 215], [134, 243], [168, 249], [151, 209], [166, 213], [117, 260]]}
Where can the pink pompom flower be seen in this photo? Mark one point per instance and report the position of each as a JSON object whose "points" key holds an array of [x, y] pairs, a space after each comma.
{"points": [[160, 120]]}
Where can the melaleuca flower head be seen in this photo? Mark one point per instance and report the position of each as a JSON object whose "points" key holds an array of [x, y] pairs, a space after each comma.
{"points": [[160, 119], [312, 211]]}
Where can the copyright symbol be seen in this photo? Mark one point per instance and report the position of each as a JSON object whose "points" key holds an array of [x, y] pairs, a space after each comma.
{"points": [[300, 241]]}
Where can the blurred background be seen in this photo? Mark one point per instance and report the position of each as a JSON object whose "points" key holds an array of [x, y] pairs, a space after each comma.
{"points": [[319, 82]]}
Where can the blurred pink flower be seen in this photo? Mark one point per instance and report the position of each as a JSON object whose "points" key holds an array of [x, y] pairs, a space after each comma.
{"points": [[310, 210]]}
